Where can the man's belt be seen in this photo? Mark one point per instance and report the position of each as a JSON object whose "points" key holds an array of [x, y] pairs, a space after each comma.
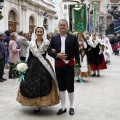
{"points": [[61, 63]]}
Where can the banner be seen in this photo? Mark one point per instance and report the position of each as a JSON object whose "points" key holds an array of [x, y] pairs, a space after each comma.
{"points": [[80, 19], [95, 16], [116, 26], [91, 23]]}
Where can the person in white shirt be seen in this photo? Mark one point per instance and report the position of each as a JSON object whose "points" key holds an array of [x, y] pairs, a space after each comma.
{"points": [[66, 47]]}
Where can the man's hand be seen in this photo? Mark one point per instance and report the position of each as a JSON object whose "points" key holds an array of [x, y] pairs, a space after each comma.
{"points": [[1, 57], [62, 56], [53, 50], [81, 47]]}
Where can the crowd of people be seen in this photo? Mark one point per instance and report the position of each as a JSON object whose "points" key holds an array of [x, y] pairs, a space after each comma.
{"points": [[46, 83]]}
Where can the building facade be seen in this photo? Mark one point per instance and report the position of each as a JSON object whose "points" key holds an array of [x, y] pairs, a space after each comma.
{"points": [[25, 15], [105, 22]]}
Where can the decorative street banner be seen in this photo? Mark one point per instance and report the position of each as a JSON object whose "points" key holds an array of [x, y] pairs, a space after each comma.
{"points": [[95, 16], [80, 19], [91, 23], [116, 26]]}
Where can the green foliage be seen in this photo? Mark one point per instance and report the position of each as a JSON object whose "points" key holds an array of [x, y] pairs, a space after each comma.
{"points": [[1, 16], [77, 66], [15, 65]]}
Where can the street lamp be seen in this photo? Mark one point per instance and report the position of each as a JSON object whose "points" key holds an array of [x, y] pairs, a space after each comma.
{"points": [[45, 20], [82, 1], [1, 3], [45, 14]]}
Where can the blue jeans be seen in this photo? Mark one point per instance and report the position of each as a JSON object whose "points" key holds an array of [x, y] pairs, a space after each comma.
{"points": [[6, 58]]}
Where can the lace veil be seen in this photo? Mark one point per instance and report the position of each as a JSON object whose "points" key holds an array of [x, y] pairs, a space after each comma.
{"points": [[33, 37]]}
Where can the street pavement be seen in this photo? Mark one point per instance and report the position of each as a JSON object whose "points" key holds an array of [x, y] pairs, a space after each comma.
{"points": [[97, 99]]}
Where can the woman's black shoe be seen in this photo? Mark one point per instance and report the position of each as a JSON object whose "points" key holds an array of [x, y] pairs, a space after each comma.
{"points": [[60, 111], [37, 110], [93, 75]]}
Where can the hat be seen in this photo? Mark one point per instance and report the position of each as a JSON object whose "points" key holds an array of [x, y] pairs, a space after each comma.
{"points": [[2, 33]]}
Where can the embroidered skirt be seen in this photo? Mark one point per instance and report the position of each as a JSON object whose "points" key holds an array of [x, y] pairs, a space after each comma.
{"points": [[100, 66], [39, 89]]}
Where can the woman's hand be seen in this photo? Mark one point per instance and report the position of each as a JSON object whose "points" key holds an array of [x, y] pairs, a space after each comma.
{"points": [[1, 57]]}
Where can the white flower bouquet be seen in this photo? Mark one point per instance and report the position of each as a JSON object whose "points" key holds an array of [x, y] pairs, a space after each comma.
{"points": [[21, 67], [102, 48]]}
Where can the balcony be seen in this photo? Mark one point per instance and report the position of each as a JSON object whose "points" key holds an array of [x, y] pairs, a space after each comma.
{"points": [[114, 1], [95, 0]]}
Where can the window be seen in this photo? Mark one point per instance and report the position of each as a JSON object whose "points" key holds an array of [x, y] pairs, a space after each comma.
{"points": [[11, 16], [65, 7], [31, 20]]}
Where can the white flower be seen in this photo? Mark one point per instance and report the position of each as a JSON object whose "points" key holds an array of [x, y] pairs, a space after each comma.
{"points": [[100, 52], [22, 67]]}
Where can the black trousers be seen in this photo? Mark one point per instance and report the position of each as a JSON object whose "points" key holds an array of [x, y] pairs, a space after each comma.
{"points": [[65, 78], [22, 58], [2, 65], [12, 72]]}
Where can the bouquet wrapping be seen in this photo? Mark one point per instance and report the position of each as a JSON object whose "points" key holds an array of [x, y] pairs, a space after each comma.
{"points": [[22, 67]]}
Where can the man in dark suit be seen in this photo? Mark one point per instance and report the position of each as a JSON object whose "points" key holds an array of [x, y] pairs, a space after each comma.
{"points": [[2, 56], [66, 48]]}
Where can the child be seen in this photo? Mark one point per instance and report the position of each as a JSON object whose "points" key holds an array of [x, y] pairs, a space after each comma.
{"points": [[107, 55]]}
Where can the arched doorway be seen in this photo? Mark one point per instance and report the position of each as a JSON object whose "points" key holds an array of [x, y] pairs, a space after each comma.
{"points": [[12, 21], [31, 24]]}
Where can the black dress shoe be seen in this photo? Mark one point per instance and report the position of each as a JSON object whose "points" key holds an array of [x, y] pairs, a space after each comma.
{"points": [[60, 111], [71, 111], [3, 79], [93, 75], [37, 110]]}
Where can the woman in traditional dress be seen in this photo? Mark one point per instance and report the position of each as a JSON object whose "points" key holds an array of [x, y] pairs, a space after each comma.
{"points": [[40, 86], [95, 55], [84, 72]]}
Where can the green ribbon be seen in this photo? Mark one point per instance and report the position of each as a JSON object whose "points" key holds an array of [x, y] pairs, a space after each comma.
{"points": [[21, 77]]}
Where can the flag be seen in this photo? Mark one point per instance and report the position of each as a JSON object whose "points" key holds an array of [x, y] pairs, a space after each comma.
{"points": [[80, 19], [91, 23], [95, 16], [116, 26]]}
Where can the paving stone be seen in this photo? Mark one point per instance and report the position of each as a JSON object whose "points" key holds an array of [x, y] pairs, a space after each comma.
{"points": [[96, 99]]}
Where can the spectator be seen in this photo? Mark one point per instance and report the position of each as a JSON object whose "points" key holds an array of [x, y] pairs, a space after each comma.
{"points": [[6, 41], [2, 56], [13, 54]]}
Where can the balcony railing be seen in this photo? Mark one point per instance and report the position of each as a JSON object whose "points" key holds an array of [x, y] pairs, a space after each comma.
{"points": [[95, 0], [114, 1]]}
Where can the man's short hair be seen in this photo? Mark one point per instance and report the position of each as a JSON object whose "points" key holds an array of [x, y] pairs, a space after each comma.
{"points": [[63, 20]]}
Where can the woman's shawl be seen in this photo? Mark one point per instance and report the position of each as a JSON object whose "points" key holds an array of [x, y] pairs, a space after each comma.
{"points": [[37, 52]]}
